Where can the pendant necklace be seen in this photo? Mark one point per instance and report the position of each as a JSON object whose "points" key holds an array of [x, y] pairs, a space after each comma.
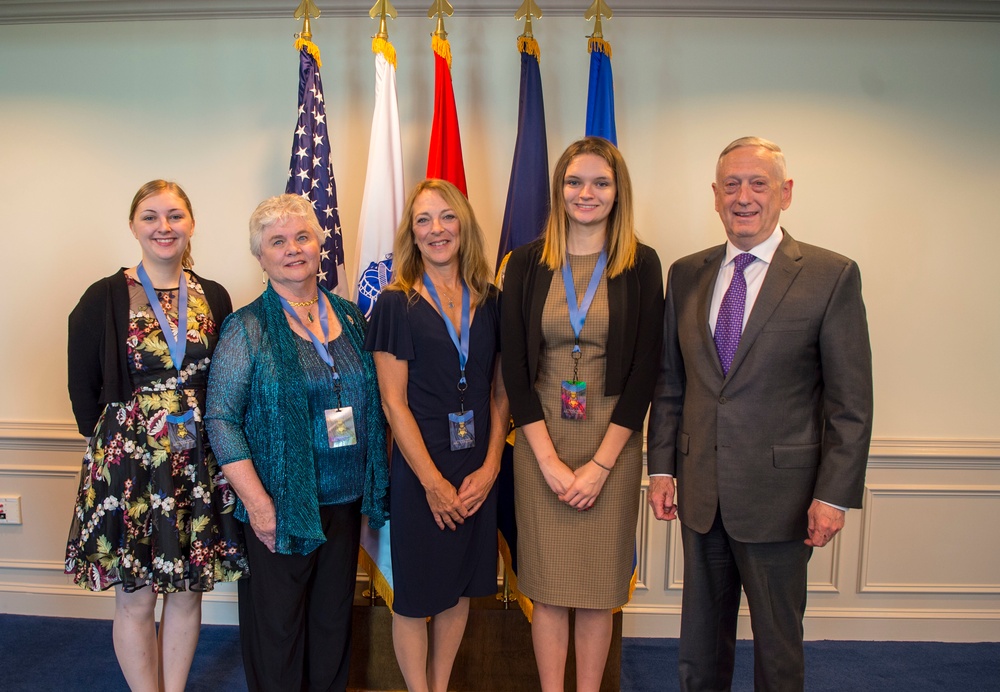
{"points": [[306, 304]]}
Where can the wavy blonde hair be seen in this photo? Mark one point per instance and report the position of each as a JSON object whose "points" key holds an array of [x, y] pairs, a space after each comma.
{"points": [[408, 263], [620, 240]]}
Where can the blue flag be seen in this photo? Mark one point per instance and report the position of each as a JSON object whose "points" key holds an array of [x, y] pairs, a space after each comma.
{"points": [[310, 172], [528, 191], [601, 93]]}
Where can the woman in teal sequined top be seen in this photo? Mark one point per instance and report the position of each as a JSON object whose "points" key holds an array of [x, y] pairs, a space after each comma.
{"points": [[295, 418]]}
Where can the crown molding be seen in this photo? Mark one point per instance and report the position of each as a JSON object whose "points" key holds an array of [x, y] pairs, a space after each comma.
{"points": [[55, 11]]}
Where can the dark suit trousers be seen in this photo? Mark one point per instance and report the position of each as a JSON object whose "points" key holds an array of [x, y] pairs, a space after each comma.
{"points": [[295, 610], [774, 578]]}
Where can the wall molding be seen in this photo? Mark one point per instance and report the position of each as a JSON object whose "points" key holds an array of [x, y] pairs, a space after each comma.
{"points": [[978, 454], [55, 11], [40, 436], [925, 493]]}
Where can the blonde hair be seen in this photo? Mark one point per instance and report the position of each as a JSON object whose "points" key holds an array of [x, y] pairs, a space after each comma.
{"points": [[276, 210], [408, 263], [620, 239], [156, 187]]}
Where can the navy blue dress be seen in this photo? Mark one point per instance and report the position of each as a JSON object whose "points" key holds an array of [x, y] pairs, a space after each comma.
{"points": [[433, 568]]}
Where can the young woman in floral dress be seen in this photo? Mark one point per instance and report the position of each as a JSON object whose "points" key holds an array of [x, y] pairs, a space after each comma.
{"points": [[153, 514]]}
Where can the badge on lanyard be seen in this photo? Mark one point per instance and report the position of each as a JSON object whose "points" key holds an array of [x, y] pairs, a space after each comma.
{"points": [[462, 423], [573, 393], [182, 428], [340, 428]]}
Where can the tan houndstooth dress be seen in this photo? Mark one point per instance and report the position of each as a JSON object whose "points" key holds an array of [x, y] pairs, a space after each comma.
{"points": [[566, 557]]}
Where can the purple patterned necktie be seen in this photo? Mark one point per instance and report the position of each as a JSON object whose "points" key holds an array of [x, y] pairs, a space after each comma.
{"points": [[729, 324]]}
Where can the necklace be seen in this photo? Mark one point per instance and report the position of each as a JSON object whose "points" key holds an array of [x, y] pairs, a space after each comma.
{"points": [[305, 304], [451, 302]]}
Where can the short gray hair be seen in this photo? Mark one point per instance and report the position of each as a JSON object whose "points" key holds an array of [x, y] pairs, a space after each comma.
{"points": [[276, 210], [779, 156]]}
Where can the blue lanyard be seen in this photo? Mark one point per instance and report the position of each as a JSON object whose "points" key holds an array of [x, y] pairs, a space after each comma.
{"points": [[462, 345], [176, 342], [578, 314], [324, 322]]}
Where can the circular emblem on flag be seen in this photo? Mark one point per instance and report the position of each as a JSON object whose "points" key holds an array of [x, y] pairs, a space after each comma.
{"points": [[376, 277]]}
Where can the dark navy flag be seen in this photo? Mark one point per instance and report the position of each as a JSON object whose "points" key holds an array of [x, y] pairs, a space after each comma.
{"points": [[310, 172], [601, 93], [528, 191]]}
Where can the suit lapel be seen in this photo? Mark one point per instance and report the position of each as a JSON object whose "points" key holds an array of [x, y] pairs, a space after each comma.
{"points": [[705, 279], [785, 266]]}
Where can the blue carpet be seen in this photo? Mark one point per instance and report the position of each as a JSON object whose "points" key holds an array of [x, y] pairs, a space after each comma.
{"points": [[76, 655], [836, 666]]}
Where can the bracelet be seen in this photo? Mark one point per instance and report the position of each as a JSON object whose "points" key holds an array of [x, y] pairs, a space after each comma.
{"points": [[606, 468]]}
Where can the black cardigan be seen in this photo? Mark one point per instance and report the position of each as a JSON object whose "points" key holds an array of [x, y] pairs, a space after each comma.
{"points": [[98, 329], [635, 334]]}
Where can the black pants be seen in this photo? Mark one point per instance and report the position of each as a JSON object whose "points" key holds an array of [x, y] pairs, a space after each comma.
{"points": [[295, 610], [773, 575]]}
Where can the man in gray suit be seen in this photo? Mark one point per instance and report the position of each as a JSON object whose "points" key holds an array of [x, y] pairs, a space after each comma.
{"points": [[763, 414]]}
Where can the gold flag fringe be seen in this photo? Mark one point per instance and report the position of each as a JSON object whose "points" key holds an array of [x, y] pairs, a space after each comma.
{"points": [[311, 47], [442, 48], [380, 45], [600, 45], [526, 44], [378, 580], [527, 607]]}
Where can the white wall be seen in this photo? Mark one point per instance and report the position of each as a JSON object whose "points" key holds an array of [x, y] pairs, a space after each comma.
{"points": [[891, 131]]}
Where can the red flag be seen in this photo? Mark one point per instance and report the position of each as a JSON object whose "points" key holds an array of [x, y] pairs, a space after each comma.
{"points": [[444, 160]]}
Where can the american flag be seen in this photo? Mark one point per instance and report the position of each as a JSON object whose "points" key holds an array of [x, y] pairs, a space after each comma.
{"points": [[310, 172]]}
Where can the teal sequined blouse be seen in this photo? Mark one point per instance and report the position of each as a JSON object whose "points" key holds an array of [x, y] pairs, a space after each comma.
{"points": [[267, 393]]}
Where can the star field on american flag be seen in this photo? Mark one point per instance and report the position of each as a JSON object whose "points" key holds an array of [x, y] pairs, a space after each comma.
{"points": [[310, 172]]}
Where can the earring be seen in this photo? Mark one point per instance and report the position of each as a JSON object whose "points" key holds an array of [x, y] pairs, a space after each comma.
{"points": [[263, 278]]}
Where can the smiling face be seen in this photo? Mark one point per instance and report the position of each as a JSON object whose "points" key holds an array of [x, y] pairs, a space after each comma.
{"points": [[750, 193], [589, 191], [163, 225], [436, 229], [289, 253]]}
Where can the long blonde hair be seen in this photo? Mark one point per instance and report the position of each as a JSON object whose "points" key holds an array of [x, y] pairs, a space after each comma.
{"points": [[155, 187], [408, 263], [620, 240]]}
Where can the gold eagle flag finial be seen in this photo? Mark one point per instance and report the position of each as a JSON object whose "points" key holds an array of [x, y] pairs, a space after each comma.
{"points": [[380, 10], [306, 10], [598, 9], [527, 10], [440, 9]]}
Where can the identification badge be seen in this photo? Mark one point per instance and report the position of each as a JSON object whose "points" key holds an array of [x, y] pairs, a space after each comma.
{"points": [[182, 431], [340, 427], [574, 400], [462, 430]]}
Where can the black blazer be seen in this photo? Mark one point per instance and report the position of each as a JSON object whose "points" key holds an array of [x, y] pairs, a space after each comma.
{"points": [[98, 329], [635, 333]]}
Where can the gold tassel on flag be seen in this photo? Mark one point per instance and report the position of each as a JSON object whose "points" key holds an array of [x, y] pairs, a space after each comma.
{"points": [[380, 42], [306, 10]]}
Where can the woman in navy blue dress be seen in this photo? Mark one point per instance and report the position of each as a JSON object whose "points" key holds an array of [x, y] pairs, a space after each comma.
{"points": [[435, 332]]}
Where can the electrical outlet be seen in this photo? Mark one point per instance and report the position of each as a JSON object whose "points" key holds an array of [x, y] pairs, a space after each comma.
{"points": [[10, 509]]}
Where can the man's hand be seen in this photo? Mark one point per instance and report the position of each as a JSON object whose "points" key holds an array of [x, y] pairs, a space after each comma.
{"points": [[825, 522], [661, 497]]}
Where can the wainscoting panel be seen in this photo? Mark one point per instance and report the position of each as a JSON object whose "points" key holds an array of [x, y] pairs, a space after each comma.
{"points": [[920, 562]]}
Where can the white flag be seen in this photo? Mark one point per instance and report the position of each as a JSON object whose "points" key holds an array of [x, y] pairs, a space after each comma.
{"points": [[382, 204]]}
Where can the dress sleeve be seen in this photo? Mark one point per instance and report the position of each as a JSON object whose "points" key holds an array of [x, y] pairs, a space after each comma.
{"points": [[389, 327], [229, 384]]}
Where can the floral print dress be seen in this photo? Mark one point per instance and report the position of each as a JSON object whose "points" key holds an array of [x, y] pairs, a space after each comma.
{"points": [[147, 514]]}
